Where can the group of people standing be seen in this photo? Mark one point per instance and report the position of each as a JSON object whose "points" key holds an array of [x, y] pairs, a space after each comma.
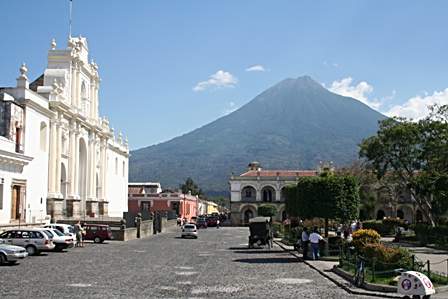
{"points": [[312, 238], [79, 231]]}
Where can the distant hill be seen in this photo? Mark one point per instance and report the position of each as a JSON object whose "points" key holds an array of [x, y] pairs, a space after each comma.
{"points": [[294, 124]]}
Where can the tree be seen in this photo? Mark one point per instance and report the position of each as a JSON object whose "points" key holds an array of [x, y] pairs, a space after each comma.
{"points": [[327, 197], [267, 211], [416, 153], [191, 186], [368, 184]]}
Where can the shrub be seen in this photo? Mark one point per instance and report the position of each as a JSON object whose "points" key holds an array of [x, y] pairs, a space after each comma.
{"points": [[376, 225], [363, 237], [267, 211], [428, 234], [386, 226], [387, 258]]}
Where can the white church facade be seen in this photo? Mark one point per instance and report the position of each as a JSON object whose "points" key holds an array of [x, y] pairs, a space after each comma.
{"points": [[87, 164]]}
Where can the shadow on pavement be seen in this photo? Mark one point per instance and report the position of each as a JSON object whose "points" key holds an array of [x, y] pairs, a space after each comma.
{"points": [[268, 260], [258, 251], [10, 264]]}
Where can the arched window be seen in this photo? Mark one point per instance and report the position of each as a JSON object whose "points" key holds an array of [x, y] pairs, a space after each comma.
{"points": [[124, 168], [116, 166], [43, 136], [248, 193], [268, 194]]}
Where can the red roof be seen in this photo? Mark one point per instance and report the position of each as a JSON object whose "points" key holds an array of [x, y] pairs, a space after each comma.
{"points": [[135, 190], [281, 173]]}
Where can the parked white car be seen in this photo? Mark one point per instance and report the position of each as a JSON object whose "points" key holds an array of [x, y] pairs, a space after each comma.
{"points": [[10, 253], [60, 240], [66, 229], [189, 230], [33, 240]]}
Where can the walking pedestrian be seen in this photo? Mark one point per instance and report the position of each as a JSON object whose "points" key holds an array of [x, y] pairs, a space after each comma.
{"points": [[305, 242], [78, 233], [138, 222], [217, 223], [315, 238], [83, 233]]}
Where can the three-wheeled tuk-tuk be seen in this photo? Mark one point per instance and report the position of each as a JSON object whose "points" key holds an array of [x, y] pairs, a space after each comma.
{"points": [[260, 232]]}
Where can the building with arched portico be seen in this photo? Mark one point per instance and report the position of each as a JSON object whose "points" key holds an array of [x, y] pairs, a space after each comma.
{"points": [[257, 187]]}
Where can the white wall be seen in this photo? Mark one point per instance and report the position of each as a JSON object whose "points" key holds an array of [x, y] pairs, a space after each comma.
{"points": [[7, 173], [117, 183], [36, 172]]}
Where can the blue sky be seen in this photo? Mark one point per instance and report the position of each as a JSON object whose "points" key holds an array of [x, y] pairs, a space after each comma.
{"points": [[153, 55]]}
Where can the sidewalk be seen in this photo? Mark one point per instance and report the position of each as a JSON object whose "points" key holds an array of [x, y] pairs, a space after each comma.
{"points": [[325, 269], [437, 258]]}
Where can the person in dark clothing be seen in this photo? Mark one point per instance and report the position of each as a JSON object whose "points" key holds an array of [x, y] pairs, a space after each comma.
{"points": [[305, 242]]}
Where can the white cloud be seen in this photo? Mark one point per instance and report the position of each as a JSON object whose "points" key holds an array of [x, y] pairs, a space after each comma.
{"points": [[360, 91], [219, 79], [414, 108], [256, 68], [417, 107]]}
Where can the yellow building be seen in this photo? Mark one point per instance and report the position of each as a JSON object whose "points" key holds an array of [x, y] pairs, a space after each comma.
{"points": [[212, 207]]}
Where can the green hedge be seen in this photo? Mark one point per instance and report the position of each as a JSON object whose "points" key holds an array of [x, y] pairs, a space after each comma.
{"points": [[383, 229]]}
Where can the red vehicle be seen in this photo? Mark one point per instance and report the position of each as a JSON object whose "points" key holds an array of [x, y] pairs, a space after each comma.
{"points": [[212, 221], [97, 233]]}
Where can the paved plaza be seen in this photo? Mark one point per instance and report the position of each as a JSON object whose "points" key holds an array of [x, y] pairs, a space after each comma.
{"points": [[216, 265]]}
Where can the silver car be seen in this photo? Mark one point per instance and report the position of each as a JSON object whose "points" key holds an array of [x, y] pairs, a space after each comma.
{"points": [[11, 254], [189, 230], [33, 240]]}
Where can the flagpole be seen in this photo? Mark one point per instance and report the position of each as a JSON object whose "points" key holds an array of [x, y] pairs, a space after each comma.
{"points": [[70, 21]]}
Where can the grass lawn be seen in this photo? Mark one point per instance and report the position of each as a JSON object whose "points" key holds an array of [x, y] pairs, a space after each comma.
{"points": [[388, 278]]}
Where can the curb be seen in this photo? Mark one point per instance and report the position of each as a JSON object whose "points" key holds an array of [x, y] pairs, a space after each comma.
{"points": [[339, 284]]}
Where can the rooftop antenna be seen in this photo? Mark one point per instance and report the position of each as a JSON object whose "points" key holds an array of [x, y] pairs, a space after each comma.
{"points": [[70, 20]]}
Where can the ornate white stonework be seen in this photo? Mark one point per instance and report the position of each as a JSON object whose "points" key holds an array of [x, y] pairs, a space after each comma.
{"points": [[81, 181], [57, 156]]}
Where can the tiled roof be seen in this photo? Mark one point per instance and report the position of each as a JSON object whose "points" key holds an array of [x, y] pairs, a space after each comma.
{"points": [[280, 173], [135, 190]]}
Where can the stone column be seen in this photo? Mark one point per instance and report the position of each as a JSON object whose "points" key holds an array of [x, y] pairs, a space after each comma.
{"points": [[58, 158], [52, 160], [89, 166], [93, 169], [277, 194], [77, 86], [103, 177], [73, 84], [103, 168], [76, 163], [96, 98], [258, 196], [71, 159]]}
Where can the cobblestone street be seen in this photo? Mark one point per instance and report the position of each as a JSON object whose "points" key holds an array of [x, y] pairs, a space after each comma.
{"points": [[216, 265]]}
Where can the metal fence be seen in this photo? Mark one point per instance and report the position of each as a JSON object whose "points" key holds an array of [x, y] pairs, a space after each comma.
{"points": [[375, 270]]}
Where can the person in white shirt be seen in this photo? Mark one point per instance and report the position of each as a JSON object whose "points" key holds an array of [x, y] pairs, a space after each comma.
{"points": [[315, 238]]}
